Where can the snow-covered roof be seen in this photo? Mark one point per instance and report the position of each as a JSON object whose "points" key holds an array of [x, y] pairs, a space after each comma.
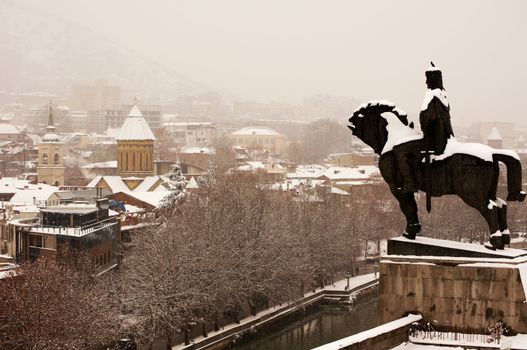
{"points": [[291, 184], [192, 183], [335, 190], [251, 166], [307, 172], [40, 192], [13, 184], [135, 112], [186, 124], [152, 198], [108, 164], [8, 129], [135, 127], [115, 183], [94, 181], [133, 209], [494, 135], [50, 137], [260, 130], [26, 193], [147, 183], [346, 173], [112, 132], [202, 150]]}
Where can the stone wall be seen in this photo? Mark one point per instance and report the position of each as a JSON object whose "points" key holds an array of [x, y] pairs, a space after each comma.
{"points": [[463, 296]]}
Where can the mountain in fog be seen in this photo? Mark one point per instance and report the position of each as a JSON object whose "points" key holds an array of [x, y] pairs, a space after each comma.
{"points": [[40, 52]]}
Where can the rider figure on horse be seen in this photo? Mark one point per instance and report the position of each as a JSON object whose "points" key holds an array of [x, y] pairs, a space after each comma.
{"points": [[435, 125]]}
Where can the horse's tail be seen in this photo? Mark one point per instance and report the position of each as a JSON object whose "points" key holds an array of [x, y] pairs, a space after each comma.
{"points": [[514, 176]]}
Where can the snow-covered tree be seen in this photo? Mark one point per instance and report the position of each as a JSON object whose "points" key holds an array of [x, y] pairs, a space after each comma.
{"points": [[177, 183]]}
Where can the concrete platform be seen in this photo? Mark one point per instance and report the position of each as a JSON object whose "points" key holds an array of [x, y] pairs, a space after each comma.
{"points": [[424, 246]]}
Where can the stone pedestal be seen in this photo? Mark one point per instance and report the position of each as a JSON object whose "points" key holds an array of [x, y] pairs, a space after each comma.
{"points": [[457, 284]]}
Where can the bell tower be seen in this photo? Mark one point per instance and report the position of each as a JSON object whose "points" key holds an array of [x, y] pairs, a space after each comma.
{"points": [[51, 167], [135, 146]]}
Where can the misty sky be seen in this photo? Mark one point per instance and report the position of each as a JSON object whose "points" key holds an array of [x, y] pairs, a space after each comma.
{"points": [[282, 50]]}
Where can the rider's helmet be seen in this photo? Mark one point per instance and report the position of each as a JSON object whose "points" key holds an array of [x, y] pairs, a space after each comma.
{"points": [[434, 78]]}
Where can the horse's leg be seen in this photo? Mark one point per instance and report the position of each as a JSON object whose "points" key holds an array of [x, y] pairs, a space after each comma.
{"points": [[389, 170], [490, 213], [409, 208], [502, 221]]}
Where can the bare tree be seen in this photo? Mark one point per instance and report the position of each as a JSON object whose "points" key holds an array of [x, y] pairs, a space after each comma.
{"points": [[48, 305]]}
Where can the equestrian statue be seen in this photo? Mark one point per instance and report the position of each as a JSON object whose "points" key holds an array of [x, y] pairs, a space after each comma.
{"points": [[430, 159]]}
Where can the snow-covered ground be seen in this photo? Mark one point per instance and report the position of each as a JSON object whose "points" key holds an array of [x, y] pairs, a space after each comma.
{"points": [[412, 346], [518, 342]]}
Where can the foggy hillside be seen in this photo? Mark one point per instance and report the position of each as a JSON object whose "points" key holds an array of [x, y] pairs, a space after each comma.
{"points": [[40, 52]]}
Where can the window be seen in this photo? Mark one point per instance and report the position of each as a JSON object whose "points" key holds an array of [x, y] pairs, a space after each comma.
{"points": [[45, 158], [56, 159], [37, 241]]}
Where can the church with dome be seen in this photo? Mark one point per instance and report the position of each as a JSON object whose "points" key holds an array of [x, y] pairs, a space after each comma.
{"points": [[51, 167], [135, 146]]}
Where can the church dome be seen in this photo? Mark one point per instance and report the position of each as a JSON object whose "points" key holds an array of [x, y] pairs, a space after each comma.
{"points": [[135, 127]]}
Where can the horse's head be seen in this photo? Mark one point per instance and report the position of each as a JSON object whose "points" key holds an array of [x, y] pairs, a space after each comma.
{"points": [[368, 124]]}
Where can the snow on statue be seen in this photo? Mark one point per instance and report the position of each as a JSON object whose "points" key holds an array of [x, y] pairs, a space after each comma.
{"points": [[432, 160]]}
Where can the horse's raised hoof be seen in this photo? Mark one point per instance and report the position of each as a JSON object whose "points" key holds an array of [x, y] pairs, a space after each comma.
{"points": [[409, 235], [497, 242], [516, 196]]}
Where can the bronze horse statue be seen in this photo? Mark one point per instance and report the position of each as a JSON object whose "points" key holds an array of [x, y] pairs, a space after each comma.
{"points": [[470, 171]]}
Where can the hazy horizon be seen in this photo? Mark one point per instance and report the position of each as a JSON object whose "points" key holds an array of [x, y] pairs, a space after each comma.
{"points": [[284, 50]]}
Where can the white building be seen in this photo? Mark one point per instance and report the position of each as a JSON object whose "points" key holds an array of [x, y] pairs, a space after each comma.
{"points": [[192, 134]]}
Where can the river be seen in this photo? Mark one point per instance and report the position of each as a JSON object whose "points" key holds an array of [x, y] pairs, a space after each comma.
{"points": [[320, 325]]}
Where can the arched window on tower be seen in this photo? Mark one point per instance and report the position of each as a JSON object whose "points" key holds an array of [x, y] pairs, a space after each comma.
{"points": [[45, 158], [56, 159]]}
